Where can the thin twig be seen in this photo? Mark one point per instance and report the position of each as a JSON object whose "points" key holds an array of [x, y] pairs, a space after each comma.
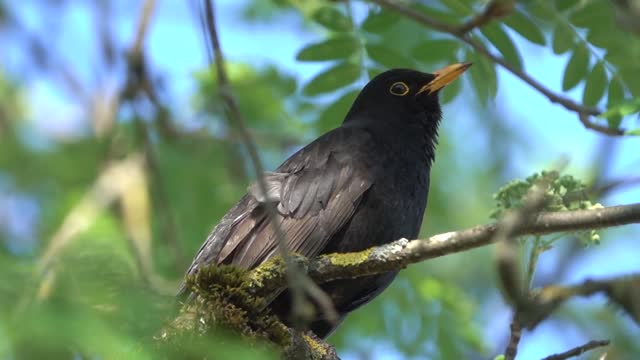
{"points": [[143, 26], [582, 111], [139, 82], [622, 290], [515, 334], [494, 10], [612, 185], [579, 350], [298, 282], [506, 250]]}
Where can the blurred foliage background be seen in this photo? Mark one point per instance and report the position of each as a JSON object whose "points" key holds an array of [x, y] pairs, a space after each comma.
{"points": [[116, 160]]}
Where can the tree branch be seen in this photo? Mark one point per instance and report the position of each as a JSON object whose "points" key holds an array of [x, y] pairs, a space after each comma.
{"points": [[515, 334], [582, 111], [623, 291], [400, 253], [271, 276], [577, 351], [299, 284], [494, 10]]}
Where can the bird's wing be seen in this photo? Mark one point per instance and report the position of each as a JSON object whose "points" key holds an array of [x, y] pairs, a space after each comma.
{"points": [[317, 192]]}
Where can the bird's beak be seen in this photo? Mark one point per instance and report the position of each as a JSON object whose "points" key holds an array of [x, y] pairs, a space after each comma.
{"points": [[443, 77]]}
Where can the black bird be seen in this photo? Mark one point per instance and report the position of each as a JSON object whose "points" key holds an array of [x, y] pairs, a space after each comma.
{"points": [[362, 184]]}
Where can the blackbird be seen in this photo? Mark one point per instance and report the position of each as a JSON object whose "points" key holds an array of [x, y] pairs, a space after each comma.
{"points": [[362, 184]]}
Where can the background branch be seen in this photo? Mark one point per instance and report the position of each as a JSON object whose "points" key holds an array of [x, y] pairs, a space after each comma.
{"points": [[577, 351], [458, 32], [299, 284], [272, 276]]}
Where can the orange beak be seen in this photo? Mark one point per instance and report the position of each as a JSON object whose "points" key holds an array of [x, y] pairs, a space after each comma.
{"points": [[443, 77]]}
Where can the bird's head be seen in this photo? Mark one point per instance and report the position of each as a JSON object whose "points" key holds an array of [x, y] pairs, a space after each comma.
{"points": [[402, 95]]}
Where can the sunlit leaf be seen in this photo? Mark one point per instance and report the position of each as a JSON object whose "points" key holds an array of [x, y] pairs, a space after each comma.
{"points": [[634, 132], [388, 56], [563, 38], [502, 41], [596, 85], [332, 19], [524, 26], [576, 69], [338, 47], [615, 95], [615, 113], [333, 78]]}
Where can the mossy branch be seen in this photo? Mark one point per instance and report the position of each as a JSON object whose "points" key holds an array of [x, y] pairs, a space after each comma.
{"points": [[222, 300], [270, 276], [237, 299]]}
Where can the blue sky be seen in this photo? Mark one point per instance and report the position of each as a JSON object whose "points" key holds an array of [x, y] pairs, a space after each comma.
{"points": [[176, 49]]}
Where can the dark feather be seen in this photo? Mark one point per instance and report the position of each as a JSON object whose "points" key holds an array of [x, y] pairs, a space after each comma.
{"points": [[317, 195]]}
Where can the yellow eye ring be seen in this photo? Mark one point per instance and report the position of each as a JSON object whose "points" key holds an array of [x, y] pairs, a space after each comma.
{"points": [[399, 88]]}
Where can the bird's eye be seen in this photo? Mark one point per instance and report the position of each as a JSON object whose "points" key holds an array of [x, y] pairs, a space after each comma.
{"points": [[399, 89]]}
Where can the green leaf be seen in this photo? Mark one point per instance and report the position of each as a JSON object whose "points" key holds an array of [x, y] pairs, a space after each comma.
{"points": [[632, 73], [450, 91], [374, 71], [623, 56], [596, 85], [388, 57], [541, 10], [483, 76], [562, 5], [339, 47], [333, 78], [563, 38], [379, 21], [501, 40], [333, 115], [589, 14], [524, 26], [436, 51], [437, 13], [634, 132], [332, 19], [614, 120], [615, 95], [615, 114], [604, 38], [459, 7], [576, 69]]}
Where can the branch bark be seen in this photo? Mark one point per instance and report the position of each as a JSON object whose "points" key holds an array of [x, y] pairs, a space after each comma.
{"points": [[400, 253], [271, 276]]}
